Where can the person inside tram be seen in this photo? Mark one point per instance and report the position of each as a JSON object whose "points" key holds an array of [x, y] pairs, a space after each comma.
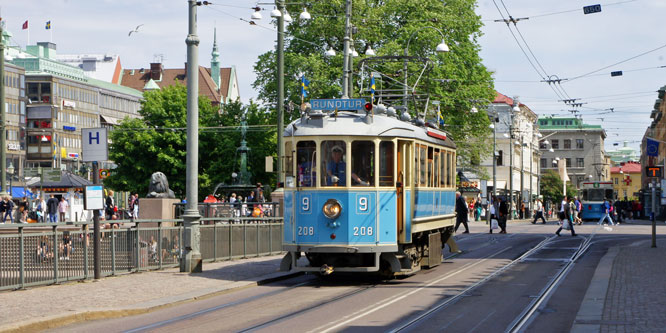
{"points": [[335, 169]]}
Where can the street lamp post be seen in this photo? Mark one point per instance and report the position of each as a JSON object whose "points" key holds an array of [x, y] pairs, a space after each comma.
{"points": [[494, 127], [3, 135], [441, 47], [192, 261], [10, 172], [280, 92]]}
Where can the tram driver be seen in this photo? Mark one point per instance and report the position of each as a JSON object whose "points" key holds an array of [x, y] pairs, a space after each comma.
{"points": [[335, 169]]}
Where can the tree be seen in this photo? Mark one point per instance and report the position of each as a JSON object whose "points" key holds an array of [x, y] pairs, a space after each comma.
{"points": [[157, 142], [457, 78], [551, 187]]}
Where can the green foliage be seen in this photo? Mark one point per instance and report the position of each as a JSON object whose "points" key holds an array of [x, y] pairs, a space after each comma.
{"points": [[551, 187], [157, 142], [457, 78]]}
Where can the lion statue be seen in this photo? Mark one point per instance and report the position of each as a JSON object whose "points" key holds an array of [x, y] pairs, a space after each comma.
{"points": [[159, 187]]}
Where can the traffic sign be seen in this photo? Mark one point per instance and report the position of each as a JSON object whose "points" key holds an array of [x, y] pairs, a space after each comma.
{"points": [[337, 104], [94, 144], [31, 172], [52, 175], [616, 73], [591, 9], [103, 173], [653, 171]]}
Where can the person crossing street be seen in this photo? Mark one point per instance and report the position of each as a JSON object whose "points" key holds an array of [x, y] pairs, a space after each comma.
{"points": [[461, 213], [538, 212]]}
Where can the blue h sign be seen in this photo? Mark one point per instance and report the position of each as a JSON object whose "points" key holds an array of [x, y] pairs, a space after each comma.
{"points": [[94, 144], [90, 137]]}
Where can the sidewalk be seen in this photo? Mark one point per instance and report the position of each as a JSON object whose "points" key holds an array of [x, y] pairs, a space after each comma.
{"points": [[626, 293], [129, 294]]}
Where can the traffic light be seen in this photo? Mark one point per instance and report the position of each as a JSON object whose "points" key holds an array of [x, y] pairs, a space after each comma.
{"points": [[653, 171]]}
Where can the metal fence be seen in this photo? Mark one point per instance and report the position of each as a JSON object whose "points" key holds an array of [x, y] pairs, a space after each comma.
{"points": [[47, 253], [232, 210]]}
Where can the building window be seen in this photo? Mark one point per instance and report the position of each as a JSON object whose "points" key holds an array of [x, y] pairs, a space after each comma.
{"points": [[616, 180], [580, 162], [568, 162], [542, 145], [579, 143], [544, 163], [555, 144], [567, 143], [500, 155]]}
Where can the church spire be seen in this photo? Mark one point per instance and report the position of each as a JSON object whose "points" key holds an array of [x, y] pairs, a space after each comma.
{"points": [[215, 62]]}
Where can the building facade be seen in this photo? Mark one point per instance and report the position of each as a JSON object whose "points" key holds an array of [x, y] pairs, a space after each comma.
{"points": [[516, 148], [579, 144], [60, 101], [623, 154], [626, 179], [15, 102]]}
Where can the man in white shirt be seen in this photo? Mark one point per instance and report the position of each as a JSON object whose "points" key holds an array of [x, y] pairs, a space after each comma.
{"points": [[539, 212]]}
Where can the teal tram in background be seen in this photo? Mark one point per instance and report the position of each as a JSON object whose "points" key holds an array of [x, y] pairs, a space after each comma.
{"points": [[367, 193]]}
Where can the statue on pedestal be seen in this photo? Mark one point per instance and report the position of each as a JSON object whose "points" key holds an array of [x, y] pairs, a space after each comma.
{"points": [[159, 187]]}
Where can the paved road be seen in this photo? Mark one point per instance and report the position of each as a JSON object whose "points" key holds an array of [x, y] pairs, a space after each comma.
{"points": [[307, 303]]}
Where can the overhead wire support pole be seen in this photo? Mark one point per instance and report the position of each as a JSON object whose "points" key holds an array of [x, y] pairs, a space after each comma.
{"points": [[280, 93], [347, 53], [3, 136]]}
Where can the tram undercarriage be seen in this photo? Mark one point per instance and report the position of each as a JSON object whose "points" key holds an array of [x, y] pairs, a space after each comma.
{"points": [[405, 260]]}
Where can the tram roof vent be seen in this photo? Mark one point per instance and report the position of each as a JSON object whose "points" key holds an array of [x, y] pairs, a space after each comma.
{"points": [[317, 118]]}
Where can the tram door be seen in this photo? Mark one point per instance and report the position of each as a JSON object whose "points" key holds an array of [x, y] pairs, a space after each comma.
{"points": [[404, 156]]}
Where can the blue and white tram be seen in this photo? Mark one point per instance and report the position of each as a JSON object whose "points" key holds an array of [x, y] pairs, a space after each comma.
{"points": [[366, 193], [593, 196]]}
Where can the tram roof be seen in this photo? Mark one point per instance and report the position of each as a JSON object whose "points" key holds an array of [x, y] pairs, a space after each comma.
{"points": [[353, 124]]}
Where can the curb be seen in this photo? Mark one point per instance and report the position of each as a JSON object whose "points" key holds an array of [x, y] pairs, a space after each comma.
{"points": [[141, 308], [591, 309]]}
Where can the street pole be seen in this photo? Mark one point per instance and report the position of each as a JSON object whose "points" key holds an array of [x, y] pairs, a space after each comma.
{"points": [[510, 165], [347, 54], [3, 137], [522, 175], [654, 213], [492, 202], [280, 94], [191, 261], [97, 253], [529, 204]]}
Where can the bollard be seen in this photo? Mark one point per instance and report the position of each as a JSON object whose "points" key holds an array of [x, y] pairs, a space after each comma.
{"points": [[85, 251]]}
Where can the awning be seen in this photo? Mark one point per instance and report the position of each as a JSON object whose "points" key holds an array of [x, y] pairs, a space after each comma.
{"points": [[500, 183], [108, 120], [20, 192]]}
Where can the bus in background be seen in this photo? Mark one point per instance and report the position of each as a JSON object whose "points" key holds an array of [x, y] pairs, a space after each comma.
{"points": [[592, 199]]}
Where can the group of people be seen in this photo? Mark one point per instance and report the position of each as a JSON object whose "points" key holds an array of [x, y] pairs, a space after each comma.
{"points": [[40, 210], [251, 206], [499, 211]]}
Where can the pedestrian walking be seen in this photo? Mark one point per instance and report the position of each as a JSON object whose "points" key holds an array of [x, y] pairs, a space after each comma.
{"points": [[479, 209], [563, 210], [41, 210], [538, 212], [567, 223], [607, 211], [8, 206], [52, 206], [461, 213], [62, 208], [135, 209], [503, 215]]}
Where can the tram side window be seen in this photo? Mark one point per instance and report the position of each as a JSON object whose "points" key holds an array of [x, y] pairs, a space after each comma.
{"points": [[453, 169], [288, 164], [422, 167], [435, 167], [307, 163], [363, 163], [442, 167], [448, 169], [416, 165], [430, 180], [386, 162], [334, 163]]}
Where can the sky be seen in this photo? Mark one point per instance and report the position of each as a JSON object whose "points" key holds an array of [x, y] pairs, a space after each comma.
{"points": [[560, 40]]}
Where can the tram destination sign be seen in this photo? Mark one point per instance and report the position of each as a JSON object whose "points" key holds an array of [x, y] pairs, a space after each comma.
{"points": [[337, 104]]}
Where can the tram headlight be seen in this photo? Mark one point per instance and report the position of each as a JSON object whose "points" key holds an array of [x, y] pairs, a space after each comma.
{"points": [[332, 209]]}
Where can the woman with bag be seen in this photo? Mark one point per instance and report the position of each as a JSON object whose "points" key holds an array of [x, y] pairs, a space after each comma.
{"points": [[565, 215], [493, 215]]}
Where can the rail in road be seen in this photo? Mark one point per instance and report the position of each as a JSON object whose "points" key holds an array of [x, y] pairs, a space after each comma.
{"points": [[436, 299]]}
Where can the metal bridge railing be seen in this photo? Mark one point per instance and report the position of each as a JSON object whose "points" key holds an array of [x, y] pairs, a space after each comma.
{"points": [[47, 253]]}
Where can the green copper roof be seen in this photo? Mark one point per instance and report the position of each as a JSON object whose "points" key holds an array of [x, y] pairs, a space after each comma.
{"points": [[151, 85], [564, 123]]}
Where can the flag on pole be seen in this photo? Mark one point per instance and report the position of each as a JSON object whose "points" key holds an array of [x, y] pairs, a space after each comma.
{"points": [[652, 147], [372, 88], [440, 117], [25, 25], [305, 86], [48, 25]]}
